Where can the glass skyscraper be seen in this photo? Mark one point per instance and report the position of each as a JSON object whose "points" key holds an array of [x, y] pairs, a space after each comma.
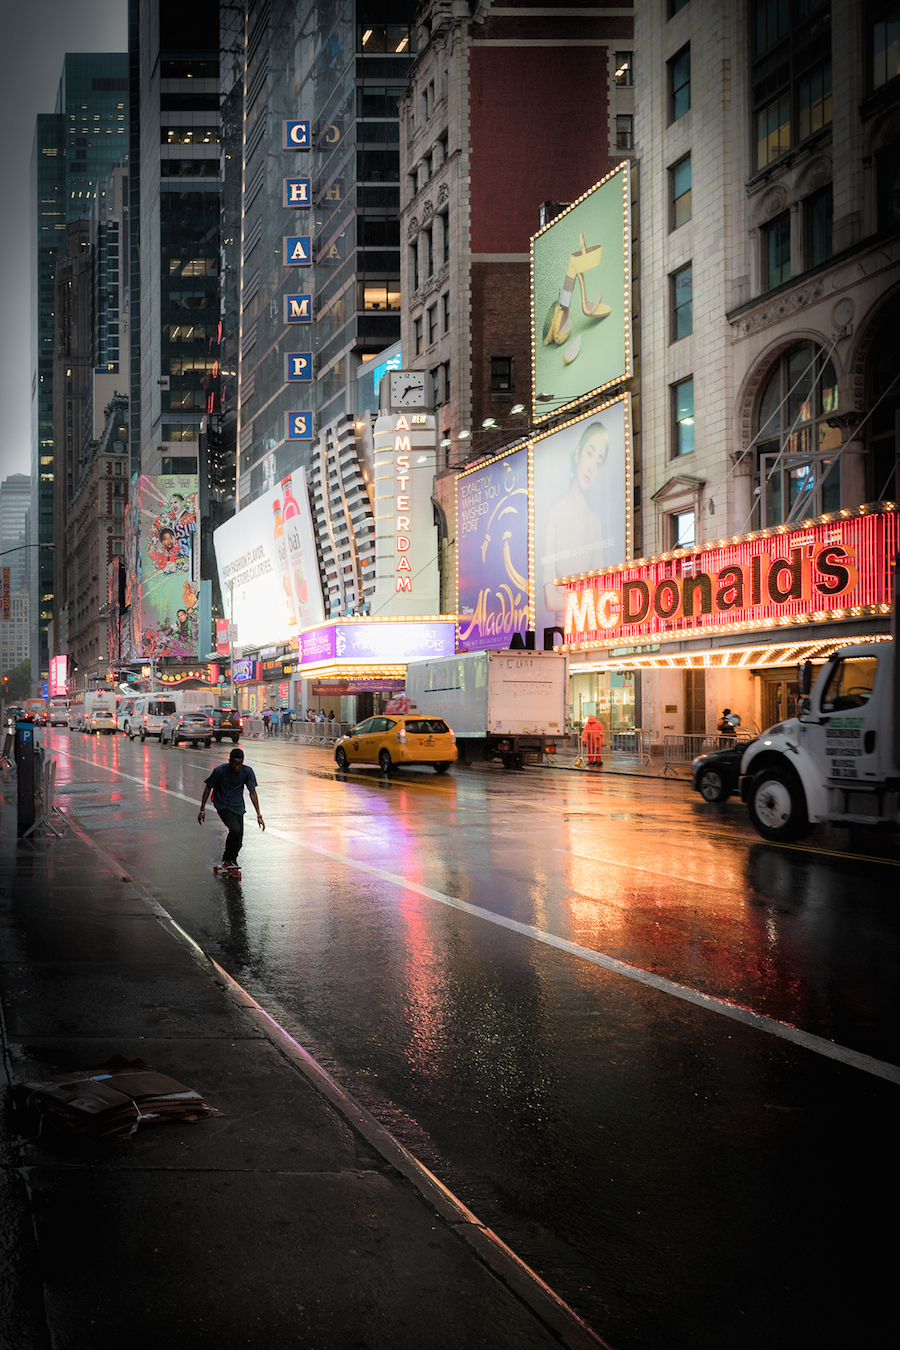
{"points": [[75, 148]]}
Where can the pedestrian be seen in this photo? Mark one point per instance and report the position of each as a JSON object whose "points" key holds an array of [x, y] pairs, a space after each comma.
{"points": [[321, 716], [331, 715], [286, 721], [267, 722], [226, 784], [592, 740], [728, 723]]}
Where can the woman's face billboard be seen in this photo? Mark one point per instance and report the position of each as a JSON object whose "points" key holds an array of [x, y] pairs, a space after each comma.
{"points": [[580, 518]]}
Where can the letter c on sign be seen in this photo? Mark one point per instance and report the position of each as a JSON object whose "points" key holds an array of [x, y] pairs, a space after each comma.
{"points": [[609, 613]]}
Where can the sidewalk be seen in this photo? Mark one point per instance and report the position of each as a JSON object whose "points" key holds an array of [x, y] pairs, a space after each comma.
{"points": [[291, 1220]]}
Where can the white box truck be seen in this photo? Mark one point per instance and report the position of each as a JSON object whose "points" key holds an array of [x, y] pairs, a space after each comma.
{"points": [[502, 705], [838, 760]]}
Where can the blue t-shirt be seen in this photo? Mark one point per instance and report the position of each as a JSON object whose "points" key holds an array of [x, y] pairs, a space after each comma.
{"points": [[228, 787]]}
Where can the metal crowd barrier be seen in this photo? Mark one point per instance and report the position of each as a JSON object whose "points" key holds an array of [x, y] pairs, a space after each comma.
{"points": [[684, 749], [571, 750]]}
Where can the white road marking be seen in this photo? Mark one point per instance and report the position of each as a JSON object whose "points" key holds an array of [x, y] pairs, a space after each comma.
{"points": [[770, 1025]]}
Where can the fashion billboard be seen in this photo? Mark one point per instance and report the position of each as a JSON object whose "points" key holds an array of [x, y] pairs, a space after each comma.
{"points": [[580, 298], [268, 565], [492, 552], [581, 475], [169, 561], [834, 568]]}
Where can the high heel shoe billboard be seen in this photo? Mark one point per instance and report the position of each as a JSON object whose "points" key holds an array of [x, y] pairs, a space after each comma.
{"points": [[580, 298]]}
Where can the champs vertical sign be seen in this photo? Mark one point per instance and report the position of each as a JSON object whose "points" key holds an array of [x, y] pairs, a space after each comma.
{"points": [[406, 571], [6, 609]]}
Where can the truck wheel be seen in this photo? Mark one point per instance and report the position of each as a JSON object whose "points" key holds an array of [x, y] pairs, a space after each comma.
{"points": [[384, 759], [442, 768], [777, 805], [712, 786]]}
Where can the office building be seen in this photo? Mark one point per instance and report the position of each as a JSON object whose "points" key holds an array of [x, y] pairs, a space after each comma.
{"points": [[15, 505], [768, 195], [75, 148]]}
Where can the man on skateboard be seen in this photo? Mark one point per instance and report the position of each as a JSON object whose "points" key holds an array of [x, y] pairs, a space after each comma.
{"points": [[227, 783]]}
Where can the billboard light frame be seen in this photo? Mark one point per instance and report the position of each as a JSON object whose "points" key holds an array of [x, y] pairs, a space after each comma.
{"points": [[539, 413]]}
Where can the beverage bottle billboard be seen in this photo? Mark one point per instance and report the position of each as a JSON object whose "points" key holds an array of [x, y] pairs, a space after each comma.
{"points": [[281, 550], [299, 566]]}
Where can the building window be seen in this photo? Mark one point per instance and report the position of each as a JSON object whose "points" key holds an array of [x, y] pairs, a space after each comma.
{"points": [[817, 215], [886, 45], [889, 187], [444, 219], [814, 100], [624, 132], [683, 416], [682, 532], [680, 83], [682, 283], [432, 323], [501, 374], [428, 236], [417, 333], [414, 265], [776, 248], [624, 68], [796, 446], [435, 386], [380, 294], [790, 73], [445, 306], [680, 192], [675, 6]]}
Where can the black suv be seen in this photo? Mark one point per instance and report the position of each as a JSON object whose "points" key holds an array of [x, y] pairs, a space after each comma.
{"points": [[226, 722]]}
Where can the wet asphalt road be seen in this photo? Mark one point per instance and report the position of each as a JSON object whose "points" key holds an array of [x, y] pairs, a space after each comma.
{"points": [[682, 1173]]}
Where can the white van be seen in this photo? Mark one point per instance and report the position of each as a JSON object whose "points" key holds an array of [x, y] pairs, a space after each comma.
{"points": [[150, 712], [124, 716]]}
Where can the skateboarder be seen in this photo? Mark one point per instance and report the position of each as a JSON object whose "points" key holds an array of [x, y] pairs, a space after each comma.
{"points": [[227, 783]]}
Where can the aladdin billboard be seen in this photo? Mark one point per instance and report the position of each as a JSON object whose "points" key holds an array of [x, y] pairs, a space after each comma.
{"points": [[837, 567], [580, 298], [492, 552]]}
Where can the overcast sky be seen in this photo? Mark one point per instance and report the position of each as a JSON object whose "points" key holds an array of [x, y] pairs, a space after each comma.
{"points": [[35, 36]]}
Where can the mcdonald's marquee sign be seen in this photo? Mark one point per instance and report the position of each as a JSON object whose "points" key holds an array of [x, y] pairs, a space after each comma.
{"points": [[835, 567]]}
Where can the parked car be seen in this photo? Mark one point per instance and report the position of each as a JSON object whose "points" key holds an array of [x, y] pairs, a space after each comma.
{"points": [[716, 775], [226, 722], [186, 726], [59, 717], [389, 741], [101, 719]]}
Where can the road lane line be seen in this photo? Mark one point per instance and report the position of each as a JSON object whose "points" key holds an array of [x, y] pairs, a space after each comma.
{"points": [[724, 1007]]}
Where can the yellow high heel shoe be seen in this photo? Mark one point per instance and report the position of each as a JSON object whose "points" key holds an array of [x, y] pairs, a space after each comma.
{"points": [[580, 262], [560, 327]]}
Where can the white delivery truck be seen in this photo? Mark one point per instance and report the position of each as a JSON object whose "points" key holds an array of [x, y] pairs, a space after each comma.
{"points": [[838, 760], [99, 711], [501, 704]]}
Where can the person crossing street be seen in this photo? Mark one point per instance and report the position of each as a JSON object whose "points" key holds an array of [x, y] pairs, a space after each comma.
{"points": [[226, 784]]}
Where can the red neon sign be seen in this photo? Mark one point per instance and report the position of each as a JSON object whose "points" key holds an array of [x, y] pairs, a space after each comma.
{"points": [[823, 570]]}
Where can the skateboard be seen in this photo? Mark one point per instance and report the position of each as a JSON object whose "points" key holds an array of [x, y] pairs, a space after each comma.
{"points": [[219, 870]]}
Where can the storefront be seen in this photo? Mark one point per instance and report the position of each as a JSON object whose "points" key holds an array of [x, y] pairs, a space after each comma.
{"points": [[353, 666], [727, 625]]}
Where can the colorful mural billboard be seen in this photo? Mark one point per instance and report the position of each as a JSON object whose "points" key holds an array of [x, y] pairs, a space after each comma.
{"points": [[169, 549], [580, 298], [581, 474], [493, 601]]}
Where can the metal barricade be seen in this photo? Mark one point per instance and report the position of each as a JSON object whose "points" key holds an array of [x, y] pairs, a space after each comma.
{"points": [[630, 744], [684, 749]]}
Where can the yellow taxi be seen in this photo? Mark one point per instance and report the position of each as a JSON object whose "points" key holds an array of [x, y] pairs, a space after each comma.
{"points": [[398, 738]]}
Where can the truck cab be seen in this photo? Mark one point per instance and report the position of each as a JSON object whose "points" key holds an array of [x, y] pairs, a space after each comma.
{"points": [[835, 761]]}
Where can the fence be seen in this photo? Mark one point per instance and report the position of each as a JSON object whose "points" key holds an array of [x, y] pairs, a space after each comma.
{"points": [[685, 749], [574, 754]]}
